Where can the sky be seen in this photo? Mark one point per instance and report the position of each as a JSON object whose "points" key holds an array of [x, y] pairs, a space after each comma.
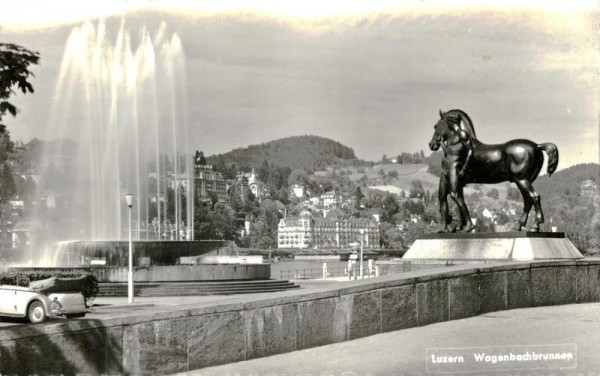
{"points": [[371, 75]]}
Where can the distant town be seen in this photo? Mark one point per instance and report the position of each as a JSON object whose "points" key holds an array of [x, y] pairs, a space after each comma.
{"points": [[330, 202]]}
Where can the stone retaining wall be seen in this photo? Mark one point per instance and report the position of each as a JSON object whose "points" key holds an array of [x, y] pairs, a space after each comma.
{"points": [[171, 340]]}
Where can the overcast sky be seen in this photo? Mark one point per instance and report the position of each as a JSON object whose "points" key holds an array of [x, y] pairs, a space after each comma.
{"points": [[372, 78]]}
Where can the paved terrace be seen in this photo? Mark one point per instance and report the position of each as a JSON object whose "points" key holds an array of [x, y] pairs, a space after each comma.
{"points": [[177, 334], [404, 352]]}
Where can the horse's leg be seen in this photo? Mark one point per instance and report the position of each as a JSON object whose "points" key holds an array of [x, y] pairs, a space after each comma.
{"points": [[443, 199], [534, 198], [463, 221], [456, 193], [466, 222], [527, 203], [465, 218]]}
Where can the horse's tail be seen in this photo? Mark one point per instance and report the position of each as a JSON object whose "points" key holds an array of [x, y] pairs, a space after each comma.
{"points": [[552, 152]]}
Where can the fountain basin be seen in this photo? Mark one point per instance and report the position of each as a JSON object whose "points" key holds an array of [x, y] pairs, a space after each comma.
{"points": [[145, 253], [153, 261]]}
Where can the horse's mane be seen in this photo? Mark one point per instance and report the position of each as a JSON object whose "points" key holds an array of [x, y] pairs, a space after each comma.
{"points": [[466, 123]]}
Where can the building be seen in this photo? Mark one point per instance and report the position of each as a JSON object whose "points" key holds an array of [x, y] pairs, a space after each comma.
{"points": [[298, 190], [590, 191], [250, 182], [207, 181], [334, 231], [330, 199], [295, 232]]}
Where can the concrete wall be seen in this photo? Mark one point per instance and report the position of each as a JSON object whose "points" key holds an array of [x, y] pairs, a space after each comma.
{"points": [[179, 339]]}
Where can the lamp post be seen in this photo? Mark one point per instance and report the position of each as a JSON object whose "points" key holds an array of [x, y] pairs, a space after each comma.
{"points": [[129, 199], [362, 232]]}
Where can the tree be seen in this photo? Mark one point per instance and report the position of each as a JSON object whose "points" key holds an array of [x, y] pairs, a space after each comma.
{"points": [[413, 231], [358, 196], [264, 235], [223, 222], [219, 223], [484, 224], [200, 158], [14, 71], [7, 184], [416, 189], [389, 208], [493, 193], [390, 236], [298, 176], [513, 193]]}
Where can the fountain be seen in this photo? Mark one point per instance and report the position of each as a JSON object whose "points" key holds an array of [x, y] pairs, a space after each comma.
{"points": [[119, 128], [119, 125]]}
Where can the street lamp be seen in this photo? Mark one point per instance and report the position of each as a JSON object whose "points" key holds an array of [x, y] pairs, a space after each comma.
{"points": [[362, 232], [129, 199]]}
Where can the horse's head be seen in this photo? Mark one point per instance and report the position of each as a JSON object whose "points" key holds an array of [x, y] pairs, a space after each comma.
{"points": [[442, 129]]}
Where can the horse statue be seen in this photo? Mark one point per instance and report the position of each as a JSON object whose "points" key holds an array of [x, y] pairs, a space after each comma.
{"points": [[468, 160]]}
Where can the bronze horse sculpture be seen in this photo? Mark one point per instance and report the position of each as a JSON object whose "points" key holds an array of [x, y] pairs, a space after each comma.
{"points": [[468, 160]]}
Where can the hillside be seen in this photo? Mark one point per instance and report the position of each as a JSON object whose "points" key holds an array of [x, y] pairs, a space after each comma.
{"points": [[567, 182], [309, 152]]}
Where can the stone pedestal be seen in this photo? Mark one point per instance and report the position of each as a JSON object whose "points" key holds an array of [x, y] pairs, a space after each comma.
{"points": [[493, 246]]}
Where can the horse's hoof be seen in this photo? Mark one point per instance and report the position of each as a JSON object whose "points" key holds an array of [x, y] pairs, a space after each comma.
{"points": [[470, 228], [516, 228]]}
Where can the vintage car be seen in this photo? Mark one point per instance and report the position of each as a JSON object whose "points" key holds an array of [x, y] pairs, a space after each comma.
{"points": [[42, 299]]}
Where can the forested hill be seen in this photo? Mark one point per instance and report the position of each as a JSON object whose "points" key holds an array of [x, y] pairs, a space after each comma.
{"points": [[310, 152], [567, 182]]}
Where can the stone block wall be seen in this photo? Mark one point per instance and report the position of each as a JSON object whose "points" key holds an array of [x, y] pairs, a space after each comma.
{"points": [[186, 338]]}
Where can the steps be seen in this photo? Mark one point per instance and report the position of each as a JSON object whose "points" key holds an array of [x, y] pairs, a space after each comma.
{"points": [[196, 288]]}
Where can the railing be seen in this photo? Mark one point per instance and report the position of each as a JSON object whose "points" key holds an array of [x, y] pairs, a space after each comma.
{"points": [[316, 273]]}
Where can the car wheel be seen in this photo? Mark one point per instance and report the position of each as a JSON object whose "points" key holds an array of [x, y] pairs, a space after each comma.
{"points": [[75, 315], [36, 312]]}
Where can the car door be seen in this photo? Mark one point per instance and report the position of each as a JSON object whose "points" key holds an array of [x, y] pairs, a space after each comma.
{"points": [[7, 300]]}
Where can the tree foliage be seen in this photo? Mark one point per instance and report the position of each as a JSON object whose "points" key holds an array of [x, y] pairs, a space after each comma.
{"points": [[264, 233], [416, 189], [408, 158], [14, 74], [308, 152], [199, 158], [7, 183], [493, 193]]}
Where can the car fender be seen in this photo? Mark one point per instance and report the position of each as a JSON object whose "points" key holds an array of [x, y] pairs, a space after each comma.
{"points": [[24, 299], [70, 303]]}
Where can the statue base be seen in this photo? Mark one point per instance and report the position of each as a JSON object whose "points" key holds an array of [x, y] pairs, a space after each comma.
{"points": [[493, 246]]}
